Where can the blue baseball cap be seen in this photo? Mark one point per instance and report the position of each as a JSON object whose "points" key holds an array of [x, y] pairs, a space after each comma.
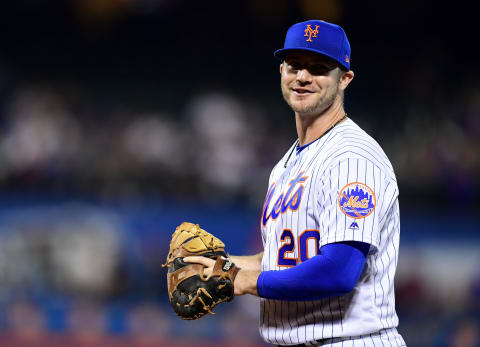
{"points": [[320, 37]]}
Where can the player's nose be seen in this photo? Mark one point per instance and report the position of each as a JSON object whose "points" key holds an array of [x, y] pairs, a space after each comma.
{"points": [[304, 76]]}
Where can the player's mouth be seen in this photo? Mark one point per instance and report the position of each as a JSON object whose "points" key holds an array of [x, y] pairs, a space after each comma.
{"points": [[301, 91]]}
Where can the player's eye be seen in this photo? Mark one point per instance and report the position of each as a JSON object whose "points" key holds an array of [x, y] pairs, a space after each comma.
{"points": [[294, 66], [314, 69], [319, 69]]}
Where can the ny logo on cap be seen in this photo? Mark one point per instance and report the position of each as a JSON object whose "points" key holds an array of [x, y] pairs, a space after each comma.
{"points": [[310, 32]]}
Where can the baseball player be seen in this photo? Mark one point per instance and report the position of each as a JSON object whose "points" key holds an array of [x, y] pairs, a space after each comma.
{"points": [[330, 222]]}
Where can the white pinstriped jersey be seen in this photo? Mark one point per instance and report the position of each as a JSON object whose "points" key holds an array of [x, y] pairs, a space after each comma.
{"points": [[339, 188]]}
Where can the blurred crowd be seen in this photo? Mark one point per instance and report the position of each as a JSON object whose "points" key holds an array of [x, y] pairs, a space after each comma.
{"points": [[217, 146]]}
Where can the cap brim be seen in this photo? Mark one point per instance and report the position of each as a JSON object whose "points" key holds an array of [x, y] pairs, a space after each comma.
{"points": [[281, 53]]}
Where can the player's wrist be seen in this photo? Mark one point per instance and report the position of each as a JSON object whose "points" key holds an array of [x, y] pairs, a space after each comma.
{"points": [[246, 282], [249, 262]]}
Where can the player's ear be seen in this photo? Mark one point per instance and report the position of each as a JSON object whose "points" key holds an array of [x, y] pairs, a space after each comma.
{"points": [[281, 67], [345, 78]]}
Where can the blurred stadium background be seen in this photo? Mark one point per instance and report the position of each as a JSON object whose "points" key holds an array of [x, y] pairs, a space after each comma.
{"points": [[119, 119]]}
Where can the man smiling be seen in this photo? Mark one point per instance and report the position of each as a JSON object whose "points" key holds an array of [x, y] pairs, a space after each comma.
{"points": [[330, 223]]}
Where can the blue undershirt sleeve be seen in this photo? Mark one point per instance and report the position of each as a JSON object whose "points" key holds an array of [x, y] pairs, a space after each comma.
{"points": [[333, 272]]}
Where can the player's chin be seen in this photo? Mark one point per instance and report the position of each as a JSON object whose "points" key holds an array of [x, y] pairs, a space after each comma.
{"points": [[302, 106]]}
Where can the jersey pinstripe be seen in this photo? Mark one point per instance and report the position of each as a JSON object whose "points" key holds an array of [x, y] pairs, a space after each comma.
{"points": [[341, 187]]}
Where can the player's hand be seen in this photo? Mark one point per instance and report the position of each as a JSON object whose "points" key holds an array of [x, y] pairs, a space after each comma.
{"points": [[207, 262], [245, 282]]}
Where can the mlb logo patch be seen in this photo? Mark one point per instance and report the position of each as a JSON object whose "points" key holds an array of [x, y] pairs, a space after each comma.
{"points": [[353, 226]]}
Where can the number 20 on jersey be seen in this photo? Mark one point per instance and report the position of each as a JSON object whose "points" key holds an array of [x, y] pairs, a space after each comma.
{"points": [[287, 249]]}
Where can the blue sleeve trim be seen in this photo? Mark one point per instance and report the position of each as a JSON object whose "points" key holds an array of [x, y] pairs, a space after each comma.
{"points": [[333, 272]]}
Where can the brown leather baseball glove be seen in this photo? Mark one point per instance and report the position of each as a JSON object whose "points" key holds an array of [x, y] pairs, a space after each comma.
{"points": [[191, 293]]}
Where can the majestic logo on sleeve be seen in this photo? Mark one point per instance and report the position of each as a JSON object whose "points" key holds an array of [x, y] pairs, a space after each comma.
{"points": [[289, 200], [357, 200], [311, 32]]}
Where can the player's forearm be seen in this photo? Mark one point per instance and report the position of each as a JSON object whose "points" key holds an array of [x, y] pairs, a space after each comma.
{"points": [[249, 262]]}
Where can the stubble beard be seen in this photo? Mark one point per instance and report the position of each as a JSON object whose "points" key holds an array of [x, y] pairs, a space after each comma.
{"points": [[310, 109]]}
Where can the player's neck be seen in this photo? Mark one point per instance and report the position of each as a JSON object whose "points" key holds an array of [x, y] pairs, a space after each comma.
{"points": [[311, 128]]}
